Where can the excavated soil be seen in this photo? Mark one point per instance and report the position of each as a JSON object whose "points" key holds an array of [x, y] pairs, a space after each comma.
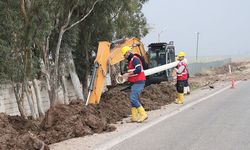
{"points": [[18, 138], [67, 121], [63, 122]]}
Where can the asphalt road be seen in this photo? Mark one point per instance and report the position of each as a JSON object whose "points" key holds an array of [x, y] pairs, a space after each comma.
{"points": [[222, 122]]}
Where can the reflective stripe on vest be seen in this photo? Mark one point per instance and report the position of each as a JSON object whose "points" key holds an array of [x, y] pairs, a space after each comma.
{"points": [[137, 77], [183, 74]]}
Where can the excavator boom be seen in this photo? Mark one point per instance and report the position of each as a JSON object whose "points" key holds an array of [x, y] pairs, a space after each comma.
{"points": [[136, 45], [109, 54], [99, 73]]}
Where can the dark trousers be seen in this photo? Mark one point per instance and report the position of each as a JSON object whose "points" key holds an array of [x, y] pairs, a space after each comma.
{"points": [[186, 83], [180, 86]]}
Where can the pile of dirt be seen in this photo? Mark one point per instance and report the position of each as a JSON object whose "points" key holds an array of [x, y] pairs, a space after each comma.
{"points": [[68, 121], [157, 95], [10, 138], [63, 122], [235, 67], [239, 71]]}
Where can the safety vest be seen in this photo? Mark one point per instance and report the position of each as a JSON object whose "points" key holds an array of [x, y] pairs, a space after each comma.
{"points": [[136, 77], [183, 74]]}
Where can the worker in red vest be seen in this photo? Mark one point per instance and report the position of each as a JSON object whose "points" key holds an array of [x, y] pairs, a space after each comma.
{"points": [[137, 77], [182, 75]]}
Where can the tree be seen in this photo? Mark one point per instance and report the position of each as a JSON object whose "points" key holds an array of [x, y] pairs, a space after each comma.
{"points": [[38, 38], [64, 18], [110, 20]]}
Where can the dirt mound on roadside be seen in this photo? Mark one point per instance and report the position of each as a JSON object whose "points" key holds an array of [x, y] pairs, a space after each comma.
{"points": [[234, 68], [239, 71], [68, 121], [10, 138], [63, 122], [157, 95]]}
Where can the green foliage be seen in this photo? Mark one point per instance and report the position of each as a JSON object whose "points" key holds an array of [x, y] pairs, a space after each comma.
{"points": [[10, 28], [23, 38], [110, 20], [130, 22], [19, 57]]}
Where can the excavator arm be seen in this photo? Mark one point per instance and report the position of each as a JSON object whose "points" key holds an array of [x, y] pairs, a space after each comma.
{"points": [[109, 54]]}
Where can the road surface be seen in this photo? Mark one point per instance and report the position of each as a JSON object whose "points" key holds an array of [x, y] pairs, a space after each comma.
{"points": [[221, 122]]}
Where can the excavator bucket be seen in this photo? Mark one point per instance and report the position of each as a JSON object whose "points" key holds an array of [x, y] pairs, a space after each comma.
{"points": [[100, 71]]}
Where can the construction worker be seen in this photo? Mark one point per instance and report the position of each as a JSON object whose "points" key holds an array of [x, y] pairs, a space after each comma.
{"points": [[181, 71], [186, 86], [137, 77]]}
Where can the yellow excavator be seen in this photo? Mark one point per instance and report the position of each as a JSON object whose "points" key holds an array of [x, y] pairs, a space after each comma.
{"points": [[109, 54]]}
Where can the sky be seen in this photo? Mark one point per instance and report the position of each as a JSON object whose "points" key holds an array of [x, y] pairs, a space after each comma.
{"points": [[224, 25]]}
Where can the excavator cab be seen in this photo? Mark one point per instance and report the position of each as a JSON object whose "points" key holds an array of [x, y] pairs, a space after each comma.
{"points": [[160, 54]]}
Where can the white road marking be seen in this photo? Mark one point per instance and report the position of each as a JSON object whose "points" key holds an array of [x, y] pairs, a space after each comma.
{"points": [[123, 137]]}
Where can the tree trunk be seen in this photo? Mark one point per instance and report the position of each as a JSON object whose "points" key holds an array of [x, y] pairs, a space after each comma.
{"points": [[2, 107], [33, 98], [48, 82], [64, 85], [53, 95], [31, 104], [58, 46], [55, 82], [87, 69], [52, 85], [38, 98], [44, 68], [86, 83], [74, 78], [65, 90], [19, 99]]}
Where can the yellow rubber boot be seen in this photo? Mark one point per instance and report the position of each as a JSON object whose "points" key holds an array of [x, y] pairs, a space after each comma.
{"points": [[143, 114], [180, 98], [134, 114]]}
